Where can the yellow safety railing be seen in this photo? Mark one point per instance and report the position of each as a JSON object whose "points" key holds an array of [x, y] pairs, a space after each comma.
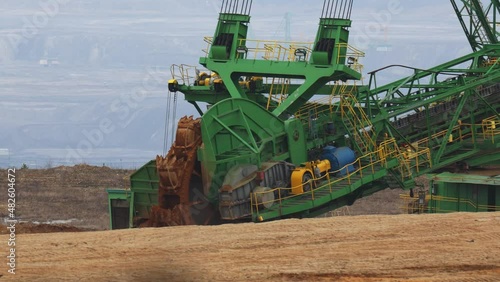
{"points": [[274, 50], [418, 155], [415, 160], [184, 74], [351, 56], [410, 161], [491, 128], [412, 205], [391, 149], [325, 103], [457, 133], [315, 108], [283, 194], [458, 202]]}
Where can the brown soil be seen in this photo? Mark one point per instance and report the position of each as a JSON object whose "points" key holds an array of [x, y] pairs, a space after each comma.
{"points": [[75, 193], [444, 247], [31, 228]]}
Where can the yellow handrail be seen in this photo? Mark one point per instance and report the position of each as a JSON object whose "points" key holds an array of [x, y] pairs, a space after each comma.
{"points": [[275, 50], [359, 122], [412, 204], [184, 74], [272, 50], [409, 204], [326, 102], [491, 128], [374, 157], [468, 202], [352, 54]]}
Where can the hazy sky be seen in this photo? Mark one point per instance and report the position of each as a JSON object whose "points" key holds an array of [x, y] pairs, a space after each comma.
{"points": [[106, 49]]}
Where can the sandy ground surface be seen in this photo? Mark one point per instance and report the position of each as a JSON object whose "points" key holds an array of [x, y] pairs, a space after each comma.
{"points": [[444, 247]]}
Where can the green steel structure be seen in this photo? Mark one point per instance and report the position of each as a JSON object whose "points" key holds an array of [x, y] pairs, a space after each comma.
{"points": [[277, 108], [479, 21], [462, 192]]}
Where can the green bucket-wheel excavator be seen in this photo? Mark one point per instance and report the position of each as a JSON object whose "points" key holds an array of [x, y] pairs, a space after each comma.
{"points": [[290, 131]]}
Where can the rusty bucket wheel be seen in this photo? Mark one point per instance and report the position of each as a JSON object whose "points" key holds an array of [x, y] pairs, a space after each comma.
{"points": [[176, 171]]}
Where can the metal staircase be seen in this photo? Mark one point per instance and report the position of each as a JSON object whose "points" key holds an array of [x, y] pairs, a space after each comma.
{"points": [[357, 124], [278, 92]]}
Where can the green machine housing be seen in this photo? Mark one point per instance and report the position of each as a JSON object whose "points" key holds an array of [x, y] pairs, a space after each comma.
{"points": [[453, 192]]}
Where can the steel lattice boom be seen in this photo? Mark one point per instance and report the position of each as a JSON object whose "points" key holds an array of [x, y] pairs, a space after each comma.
{"points": [[479, 21]]}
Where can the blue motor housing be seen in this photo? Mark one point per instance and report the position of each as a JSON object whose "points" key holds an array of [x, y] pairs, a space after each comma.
{"points": [[339, 157]]}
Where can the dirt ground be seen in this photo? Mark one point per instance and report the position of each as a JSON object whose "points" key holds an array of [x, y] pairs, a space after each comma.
{"points": [[454, 247], [73, 195], [443, 247]]}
